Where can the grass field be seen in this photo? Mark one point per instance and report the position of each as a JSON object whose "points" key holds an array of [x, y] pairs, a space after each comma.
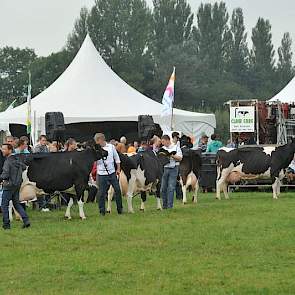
{"points": [[242, 246]]}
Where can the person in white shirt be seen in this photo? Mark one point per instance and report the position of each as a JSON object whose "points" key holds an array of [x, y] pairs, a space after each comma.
{"points": [[107, 174], [171, 170], [178, 189]]}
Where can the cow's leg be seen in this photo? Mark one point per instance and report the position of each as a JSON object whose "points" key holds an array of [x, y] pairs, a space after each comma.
{"points": [[279, 187], [219, 182], [12, 210], [158, 197], [16, 214], [184, 198], [219, 185], [80, 189], [183, 188], [131, 186], [129, 202], [10, 206], [195, 197], [81, 208], [68, 211], [159, 205], [275, 188], [280, 178], [110, 198], [225, 190], [143, 200]]}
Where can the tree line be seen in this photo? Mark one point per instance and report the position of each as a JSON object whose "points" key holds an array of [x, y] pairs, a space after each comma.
{"points": [[209, 47]]}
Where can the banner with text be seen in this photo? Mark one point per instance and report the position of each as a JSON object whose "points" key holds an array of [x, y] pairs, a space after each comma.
{"points": [[242, 119]]}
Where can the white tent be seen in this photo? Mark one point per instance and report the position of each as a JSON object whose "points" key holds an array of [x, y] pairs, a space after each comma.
{"points": [[89, 91], [287, 95]]}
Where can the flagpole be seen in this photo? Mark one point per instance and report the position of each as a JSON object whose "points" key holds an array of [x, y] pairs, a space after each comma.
{"points": [[29, 111], [172, 111], [172, 118]]}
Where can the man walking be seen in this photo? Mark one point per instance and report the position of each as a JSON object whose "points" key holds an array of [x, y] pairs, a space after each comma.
{"points": [[107, 174], [170, 172], [12, 179]]}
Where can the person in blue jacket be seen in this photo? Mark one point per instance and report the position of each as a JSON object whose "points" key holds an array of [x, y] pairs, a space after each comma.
{"points": [[214, 145]]}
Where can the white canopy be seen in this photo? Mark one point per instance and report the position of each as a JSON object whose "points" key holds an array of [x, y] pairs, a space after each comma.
{"points": [[287, 95], [89, 91]]}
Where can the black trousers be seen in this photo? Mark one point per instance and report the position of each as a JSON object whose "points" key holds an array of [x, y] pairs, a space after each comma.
{"points": [[12, 195], [104, 183]]}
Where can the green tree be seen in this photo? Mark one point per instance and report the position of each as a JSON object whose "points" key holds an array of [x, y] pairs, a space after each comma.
{"points": [[285, 70], [262, 60], [187, 82], [76, 38], [14, 68], [213, 36], [172, 24], [239, 53]]}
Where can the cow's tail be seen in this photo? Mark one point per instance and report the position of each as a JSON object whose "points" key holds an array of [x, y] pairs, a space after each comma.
{"points": [[218, 167]]}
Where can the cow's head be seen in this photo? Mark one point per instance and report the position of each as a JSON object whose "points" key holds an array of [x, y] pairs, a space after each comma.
{"points": [[185, 141], [100, 152], [164, 157], [291, 145]]}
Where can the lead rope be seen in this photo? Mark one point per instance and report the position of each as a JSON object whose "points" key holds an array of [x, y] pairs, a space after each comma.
{"points": [[105, 167]]}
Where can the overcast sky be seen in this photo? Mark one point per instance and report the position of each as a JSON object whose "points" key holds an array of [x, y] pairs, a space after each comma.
{"points": [[45, 24]]}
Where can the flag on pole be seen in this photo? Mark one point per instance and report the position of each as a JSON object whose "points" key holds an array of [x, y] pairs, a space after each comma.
{"points": [[167, 102], [11, 106], [29, 111]]}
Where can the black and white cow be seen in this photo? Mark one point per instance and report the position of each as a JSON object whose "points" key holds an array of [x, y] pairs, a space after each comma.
{"points": [[63, 171], [253, 163], [140, 173], [189, 171]]}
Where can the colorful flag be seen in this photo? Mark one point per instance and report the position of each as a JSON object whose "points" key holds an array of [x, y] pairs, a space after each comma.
{"points": [[29, 112], [167, 102]]}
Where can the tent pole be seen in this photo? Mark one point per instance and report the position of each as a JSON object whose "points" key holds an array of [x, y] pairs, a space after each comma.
{"points": [[257, 122], [34, 131], [172, 111]]}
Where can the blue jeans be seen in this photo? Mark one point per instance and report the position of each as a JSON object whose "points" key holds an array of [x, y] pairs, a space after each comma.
{"points": [[104, 182], [168, 186], [12, 195], [1, 193]]}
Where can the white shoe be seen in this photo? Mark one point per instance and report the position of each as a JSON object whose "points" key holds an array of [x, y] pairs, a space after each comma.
{"points": [[45, 210]]}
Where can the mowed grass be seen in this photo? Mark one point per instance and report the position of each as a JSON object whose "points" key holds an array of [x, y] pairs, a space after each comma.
{"points": [[242, 246]]}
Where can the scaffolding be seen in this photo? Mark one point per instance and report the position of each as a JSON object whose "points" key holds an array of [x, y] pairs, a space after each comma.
{"points": [[281, 126]]}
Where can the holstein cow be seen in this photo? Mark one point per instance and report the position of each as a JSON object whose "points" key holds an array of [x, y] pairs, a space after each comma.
{"points": [[253, 163], [63, 171], [189, 171], [140, 173]]}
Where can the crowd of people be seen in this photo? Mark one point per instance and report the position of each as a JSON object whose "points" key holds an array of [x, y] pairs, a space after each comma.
{"points": [[105, 172]]}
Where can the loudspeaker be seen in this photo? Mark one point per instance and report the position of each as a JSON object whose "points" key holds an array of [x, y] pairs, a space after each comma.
{"points": [[146, 127], [55, 126]]}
